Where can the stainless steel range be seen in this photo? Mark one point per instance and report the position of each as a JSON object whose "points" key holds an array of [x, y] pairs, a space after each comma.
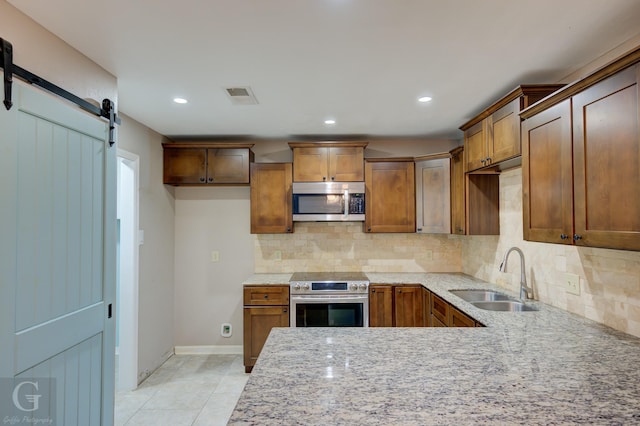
{"points": [[329, 299]]}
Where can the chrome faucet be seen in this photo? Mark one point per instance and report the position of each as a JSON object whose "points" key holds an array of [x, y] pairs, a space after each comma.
{"points": [[524, 289]]}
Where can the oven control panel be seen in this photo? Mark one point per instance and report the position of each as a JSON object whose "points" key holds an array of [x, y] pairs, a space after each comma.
{"points": [[329, 287]]}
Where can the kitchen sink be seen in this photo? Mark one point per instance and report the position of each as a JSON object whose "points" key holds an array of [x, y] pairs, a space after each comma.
{"points": [[480, 295], [504, 306]]}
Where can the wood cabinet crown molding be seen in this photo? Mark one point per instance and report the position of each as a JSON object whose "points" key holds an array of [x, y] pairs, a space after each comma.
{"points": [[578, 86], [204, 144], [523, 90], [329, 144]]}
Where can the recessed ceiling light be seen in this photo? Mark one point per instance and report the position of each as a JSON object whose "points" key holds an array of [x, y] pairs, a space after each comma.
{"points": [[329, 122], [424, 99], [180, 100]]}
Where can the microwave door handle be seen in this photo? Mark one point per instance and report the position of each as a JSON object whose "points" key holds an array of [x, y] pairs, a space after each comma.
{"points": [[346, 202]]}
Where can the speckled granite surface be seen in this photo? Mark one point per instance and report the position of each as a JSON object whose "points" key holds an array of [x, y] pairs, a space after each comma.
{"points": [[545, 367]]}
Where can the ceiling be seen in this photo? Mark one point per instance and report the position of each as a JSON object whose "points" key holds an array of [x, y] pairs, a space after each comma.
{"points": [[362, 63]]}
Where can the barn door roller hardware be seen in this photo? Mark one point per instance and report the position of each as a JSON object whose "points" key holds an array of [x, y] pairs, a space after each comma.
{"points": [[10, 69]]}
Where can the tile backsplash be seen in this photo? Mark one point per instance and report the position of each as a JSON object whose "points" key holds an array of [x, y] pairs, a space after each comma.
{"points": [[609, 279], [337, 246]]}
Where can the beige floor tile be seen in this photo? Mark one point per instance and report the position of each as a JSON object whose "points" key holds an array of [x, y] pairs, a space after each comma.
{"points": [[163, 418]]}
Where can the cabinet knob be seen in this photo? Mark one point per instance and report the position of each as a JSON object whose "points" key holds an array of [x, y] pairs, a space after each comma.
{"points": [[324, 178], [483, 161], [333, 178], [369, 229], [266, 296], [488, 159], [288, 229], [201, 179], [419, 229], [373, 290], [210, 179], [563, 236], [577, 237], [284, 311]]}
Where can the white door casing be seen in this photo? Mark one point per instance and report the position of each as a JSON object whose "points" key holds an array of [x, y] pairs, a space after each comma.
{"points": [[57, 253]]}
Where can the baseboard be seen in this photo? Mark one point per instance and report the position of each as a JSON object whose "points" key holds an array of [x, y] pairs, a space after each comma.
{"points": [[209, 350]]}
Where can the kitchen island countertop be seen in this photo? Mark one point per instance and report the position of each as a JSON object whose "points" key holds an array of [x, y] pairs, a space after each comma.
{"points": [[544, 367]]}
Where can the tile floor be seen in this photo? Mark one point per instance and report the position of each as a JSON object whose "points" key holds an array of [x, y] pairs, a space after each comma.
{"points": [[186, 390]]}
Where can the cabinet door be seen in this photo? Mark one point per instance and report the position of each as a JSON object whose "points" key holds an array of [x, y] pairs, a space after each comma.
{"points": [[457, 194], [228, 165], [426, 306], [433, 192], [390, 196], [547, 188], [346, 164], [311, 164], [258, 322], [475, 145], [271, 198], [184, 166], [503, 140], [380, 305], [606, 149], [409, 306]]}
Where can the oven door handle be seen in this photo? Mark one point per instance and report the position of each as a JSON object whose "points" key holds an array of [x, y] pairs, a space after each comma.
{"points": [[330, 299]]}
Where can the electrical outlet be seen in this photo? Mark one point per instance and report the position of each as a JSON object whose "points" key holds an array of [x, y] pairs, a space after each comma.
{"points": [[215, 256], [572, 283], [428, 255], [226, 330], [277, 255]]}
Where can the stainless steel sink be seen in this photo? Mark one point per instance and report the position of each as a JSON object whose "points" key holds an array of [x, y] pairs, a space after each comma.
{"points": [[480, 295], [504, 306]]}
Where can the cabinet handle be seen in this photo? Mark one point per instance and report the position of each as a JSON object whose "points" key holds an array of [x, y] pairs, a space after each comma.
{"points": [[266, 296], [333, 178], [288, 229], [483, 161], [373, 290], [201, 179], [563, 236], [284, 311], [324, 178], [577, 237], [210, 179], [369, 229]]}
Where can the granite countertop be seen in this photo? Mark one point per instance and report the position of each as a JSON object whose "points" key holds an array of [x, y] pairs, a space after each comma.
{"points": [[544, 367]]}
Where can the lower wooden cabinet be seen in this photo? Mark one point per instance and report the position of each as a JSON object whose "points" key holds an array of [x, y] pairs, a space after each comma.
{"points": [[265, 307], [396, 305], [443, 314]]}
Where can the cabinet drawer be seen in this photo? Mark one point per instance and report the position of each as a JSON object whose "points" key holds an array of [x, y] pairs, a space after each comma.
{"points": [[274, 295], [439, 309], [458, 319], [435, 322]]}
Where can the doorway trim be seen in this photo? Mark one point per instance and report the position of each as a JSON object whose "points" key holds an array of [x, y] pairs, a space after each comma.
{"points": [[127, 303]]}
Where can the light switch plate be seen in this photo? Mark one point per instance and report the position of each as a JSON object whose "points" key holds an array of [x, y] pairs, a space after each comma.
{"points": [[277, 255], [215, 256], [428, 255], [572, 283]]}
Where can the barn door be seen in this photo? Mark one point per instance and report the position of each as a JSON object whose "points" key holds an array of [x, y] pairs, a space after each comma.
{"points": [[57, 263]]}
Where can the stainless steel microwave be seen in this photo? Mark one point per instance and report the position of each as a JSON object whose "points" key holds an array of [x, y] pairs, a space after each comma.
{"points": [[328, 201]]}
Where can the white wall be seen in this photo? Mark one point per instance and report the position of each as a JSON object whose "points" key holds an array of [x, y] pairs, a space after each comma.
{"points": [[156, 268]]}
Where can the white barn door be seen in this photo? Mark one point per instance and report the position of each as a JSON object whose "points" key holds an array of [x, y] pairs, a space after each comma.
{"points": [[57, 261]]}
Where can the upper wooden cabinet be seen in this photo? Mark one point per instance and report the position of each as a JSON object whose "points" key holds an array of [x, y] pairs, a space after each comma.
{"points": [[581, 161], [433, 194], [271, 198], [493, 136], [390, 194], [206, 163], [328, 161], [458, 214]]}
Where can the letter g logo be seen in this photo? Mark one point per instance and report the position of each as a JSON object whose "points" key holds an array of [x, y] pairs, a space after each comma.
{"points": [[33, 399]]}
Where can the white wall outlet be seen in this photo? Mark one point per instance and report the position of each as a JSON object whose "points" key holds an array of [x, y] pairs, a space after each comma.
{"points": [[215, 256], [226, 330], [572, 283], [277, 255], [428, 255]]}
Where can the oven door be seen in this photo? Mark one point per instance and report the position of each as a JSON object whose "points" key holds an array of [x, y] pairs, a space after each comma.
{"points": [[330, 311]]}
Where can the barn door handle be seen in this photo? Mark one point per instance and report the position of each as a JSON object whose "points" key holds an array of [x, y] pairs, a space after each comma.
{"points": [[7, 65], [110, 310]]}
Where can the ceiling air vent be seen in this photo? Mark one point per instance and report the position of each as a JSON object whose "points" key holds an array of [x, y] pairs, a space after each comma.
{"points": [[241, 95]]}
